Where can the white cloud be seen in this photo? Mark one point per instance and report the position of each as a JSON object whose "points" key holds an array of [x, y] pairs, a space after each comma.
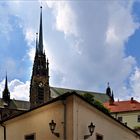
{"points": [[111, 36], [18, 90], [101, 55], [5, 26], [1, 87], [90, 52], [135, 83], [31, 53], [65, 17], [26, 20], [30, 36], [121, 22]]}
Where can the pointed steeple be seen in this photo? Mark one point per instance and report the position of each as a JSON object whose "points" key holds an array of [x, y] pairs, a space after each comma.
{"points": [[47, 67], [111, 101], [36, 43], [6, 83], [6, 93], [41, 33], [112, 96]]}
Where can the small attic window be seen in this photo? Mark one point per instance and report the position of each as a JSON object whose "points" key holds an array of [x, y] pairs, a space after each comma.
{"points": [[138, 118], [120, 119]]}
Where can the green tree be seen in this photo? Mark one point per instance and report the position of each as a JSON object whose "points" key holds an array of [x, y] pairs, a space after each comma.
{"points": [[90, 98]]}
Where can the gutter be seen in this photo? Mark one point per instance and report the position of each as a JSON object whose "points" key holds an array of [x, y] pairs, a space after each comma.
{"points": [[4, 129], [64, 103]]}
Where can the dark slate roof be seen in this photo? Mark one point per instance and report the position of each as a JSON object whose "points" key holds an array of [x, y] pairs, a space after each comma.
{"points": [[15, 104], [55, 92], [101, 97]]}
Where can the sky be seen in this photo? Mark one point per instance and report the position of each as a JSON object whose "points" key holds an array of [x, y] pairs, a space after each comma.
{"points": [[88, 44]]}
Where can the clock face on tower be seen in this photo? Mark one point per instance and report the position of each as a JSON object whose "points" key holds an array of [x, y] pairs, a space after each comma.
{"points": [[41, 84]]}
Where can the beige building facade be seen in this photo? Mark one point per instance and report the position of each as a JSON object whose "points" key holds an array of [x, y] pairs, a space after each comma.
{"points": [[72, 115], [131, 118]]}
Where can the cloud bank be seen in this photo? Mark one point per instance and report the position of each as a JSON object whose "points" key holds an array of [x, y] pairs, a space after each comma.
{"points": [[97, 54]]}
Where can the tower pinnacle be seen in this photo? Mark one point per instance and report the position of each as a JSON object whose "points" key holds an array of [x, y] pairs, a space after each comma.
{"points": [[41, 33], [6, 85], [36, 42]]}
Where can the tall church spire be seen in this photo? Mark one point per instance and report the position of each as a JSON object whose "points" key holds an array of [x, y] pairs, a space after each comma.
{"points": [[6, 93], [41, 33], [39, 87]]}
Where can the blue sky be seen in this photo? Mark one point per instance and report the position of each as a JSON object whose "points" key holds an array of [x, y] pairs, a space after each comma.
{"points": [[88, 43]]}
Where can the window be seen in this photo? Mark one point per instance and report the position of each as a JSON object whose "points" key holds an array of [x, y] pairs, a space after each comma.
{"points": [[40, 97], [138, 118], [30, 137], [120, 119], [99, 137]]}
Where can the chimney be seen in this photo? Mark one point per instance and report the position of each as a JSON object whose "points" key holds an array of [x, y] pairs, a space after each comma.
{"points": [[132, 99]]}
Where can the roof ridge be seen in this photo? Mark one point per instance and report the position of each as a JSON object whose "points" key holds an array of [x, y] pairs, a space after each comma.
{"points": [[80, 90]]}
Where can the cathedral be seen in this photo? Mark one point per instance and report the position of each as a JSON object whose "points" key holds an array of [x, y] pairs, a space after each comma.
{"points": [[40, 90]]}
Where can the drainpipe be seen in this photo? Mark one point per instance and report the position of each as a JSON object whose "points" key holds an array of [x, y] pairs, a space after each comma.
{"points": [[4, 128], [64, 103]]}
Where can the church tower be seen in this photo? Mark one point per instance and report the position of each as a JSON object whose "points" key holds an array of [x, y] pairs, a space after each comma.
{"points": [[39, 87], [108, 90], [6, 93]]}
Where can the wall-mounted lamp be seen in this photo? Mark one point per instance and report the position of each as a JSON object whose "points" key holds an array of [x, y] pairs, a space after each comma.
{"points": [[91, 128], [52, 125]]}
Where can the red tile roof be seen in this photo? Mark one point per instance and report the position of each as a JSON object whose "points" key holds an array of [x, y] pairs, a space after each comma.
{"points": [[123, 106]]}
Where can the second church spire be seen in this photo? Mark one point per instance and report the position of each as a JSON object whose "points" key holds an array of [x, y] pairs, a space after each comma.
{"points": [[6, 93]]}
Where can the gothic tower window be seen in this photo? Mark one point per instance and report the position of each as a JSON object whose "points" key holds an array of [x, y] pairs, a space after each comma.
{"points": [[40, 98]]}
